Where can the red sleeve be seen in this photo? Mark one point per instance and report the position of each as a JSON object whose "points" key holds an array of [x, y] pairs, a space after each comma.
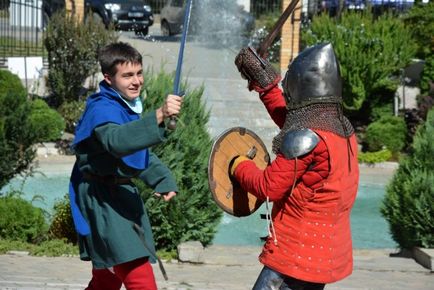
{"points": [[275, 104], [277, 179]]}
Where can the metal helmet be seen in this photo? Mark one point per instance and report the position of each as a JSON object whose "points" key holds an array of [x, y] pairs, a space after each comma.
{"points": [[313, 77]]}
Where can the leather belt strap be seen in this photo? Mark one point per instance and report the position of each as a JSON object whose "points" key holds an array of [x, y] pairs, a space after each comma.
{"points": [[107, 179]]}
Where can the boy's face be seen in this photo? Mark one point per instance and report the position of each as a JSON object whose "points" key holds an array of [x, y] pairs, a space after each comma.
{"points": [[127, 81]]}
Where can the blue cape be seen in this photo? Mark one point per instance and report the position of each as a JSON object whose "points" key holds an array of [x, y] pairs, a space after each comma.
{"points": [[101, 108]]}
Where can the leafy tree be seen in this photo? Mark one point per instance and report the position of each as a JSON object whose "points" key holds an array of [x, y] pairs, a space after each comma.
{"points": [[420, 21], [192, 214], [370, 53], [72, 54], [409, 202]]}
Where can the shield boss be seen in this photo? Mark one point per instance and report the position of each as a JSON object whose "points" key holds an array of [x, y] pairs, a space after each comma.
{"points": [[226, 191]]}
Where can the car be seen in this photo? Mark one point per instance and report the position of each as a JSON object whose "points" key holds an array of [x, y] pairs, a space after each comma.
{"points": [[212, 18], [135, 15]]}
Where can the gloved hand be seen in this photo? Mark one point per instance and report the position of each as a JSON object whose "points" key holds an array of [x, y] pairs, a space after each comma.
{"points": [[236, 161], [261, 76]]}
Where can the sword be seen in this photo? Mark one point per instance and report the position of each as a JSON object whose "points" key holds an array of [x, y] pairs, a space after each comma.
{"points": [[141, 234], [265, 44], [177, 82]]}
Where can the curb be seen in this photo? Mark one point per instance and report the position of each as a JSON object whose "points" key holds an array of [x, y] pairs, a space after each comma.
{"points": [[424, 257]]}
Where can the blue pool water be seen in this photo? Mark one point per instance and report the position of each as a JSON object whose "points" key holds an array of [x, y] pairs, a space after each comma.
{"points": [[369, 228]]}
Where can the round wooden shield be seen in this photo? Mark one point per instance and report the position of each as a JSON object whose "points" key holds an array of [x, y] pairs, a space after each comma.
{"points": [[226, 191]]}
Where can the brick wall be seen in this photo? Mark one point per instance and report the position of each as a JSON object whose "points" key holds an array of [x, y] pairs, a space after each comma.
{"points": [[290, 36], [78, 5]]}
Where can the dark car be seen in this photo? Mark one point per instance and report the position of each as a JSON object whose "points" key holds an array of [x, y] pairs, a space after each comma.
{"points": [[208, 17], [135, 15]]}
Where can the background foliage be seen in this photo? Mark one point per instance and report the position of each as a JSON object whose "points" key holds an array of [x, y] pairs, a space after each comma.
{"points": [[192, 214], [409, 202], [356, 37]]}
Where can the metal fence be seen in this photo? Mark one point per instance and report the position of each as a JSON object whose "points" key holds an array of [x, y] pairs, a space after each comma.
{"points": [[21, 29], [257, 7]]}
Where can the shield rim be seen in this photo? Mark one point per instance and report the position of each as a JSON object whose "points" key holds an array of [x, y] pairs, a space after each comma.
{"points": [[210, 166]]}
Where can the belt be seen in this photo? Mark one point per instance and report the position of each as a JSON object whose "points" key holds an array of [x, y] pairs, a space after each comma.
{"points": [[107, 179]]}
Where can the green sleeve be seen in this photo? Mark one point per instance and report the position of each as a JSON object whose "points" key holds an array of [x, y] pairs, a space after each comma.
{"points": [[158, 176], [121, 140]]}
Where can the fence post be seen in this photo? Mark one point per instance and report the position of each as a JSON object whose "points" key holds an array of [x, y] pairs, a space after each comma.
{"points": [[290, 44], [75, 7]]}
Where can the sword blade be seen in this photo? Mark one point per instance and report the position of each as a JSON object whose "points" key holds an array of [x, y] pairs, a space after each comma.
{"points": [[266, 43], [177, 82]]}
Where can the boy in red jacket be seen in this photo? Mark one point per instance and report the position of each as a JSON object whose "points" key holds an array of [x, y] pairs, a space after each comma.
{"points": [[313, 180]]}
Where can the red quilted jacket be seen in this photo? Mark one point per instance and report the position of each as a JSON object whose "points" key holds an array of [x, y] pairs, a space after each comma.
{"points": [[312, 239]]}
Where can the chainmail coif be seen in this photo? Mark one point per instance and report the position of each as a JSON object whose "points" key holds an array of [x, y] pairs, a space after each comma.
{"points": [[325, 117]]}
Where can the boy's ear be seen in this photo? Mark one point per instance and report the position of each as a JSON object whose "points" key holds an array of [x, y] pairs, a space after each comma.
{"points": [[107, 78]]}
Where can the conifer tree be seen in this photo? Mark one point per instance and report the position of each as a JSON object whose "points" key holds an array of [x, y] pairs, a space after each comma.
{"points": [[409, 202], [192, 214]]}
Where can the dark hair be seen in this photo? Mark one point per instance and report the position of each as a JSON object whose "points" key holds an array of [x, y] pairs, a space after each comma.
{"points": [[117, 53]]}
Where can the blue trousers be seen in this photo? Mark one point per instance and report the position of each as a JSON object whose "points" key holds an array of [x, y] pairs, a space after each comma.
{"points": [[271, 280]]}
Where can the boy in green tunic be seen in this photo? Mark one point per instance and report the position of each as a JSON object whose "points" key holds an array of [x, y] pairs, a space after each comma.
{"points": [[111, 144]]}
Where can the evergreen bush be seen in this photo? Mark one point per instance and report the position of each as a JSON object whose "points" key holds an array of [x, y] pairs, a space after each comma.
{"points": [[72, 54], [16, 134], [20, 220], [192, 214], [47, 123], [408, 205], [388, 132], [370, 51]]}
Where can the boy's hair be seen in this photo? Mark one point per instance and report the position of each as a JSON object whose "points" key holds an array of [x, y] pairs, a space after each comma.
{"points": [[117, 53]]}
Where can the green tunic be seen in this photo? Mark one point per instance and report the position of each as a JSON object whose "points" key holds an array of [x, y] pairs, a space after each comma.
{"points": [[111, 210]]}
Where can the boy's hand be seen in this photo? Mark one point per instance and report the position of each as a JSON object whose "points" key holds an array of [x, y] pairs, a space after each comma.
{"points": [[166, 196], [171, 106]]}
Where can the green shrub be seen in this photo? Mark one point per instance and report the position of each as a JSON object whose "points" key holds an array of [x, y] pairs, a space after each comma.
{"points": [[72, 54], [20, 220], [16, 134], [388, 132], [370, 52], [192, 214], [374, 157], [47, 123], [62, 225], [408, 205]]}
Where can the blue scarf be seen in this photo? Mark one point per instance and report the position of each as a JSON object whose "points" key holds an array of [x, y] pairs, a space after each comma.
{"points": [[104, 107]]}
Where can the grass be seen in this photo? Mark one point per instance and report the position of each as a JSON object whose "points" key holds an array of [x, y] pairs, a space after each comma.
{"points": [[51, 248]]}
